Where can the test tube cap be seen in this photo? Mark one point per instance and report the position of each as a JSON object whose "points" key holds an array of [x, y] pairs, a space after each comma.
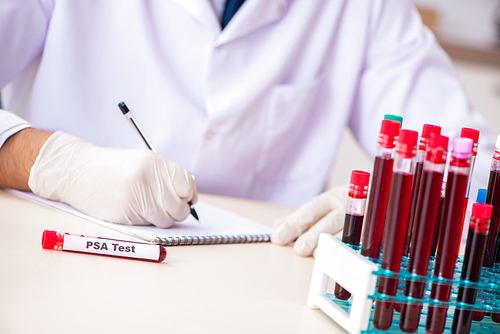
{"points": [[388, 132], [428, 129], [437, 140], [396, 118], [462, 147], [49, 239], [481, 210], [481, 196], [407, 143], [360, 178], [470, 133]]}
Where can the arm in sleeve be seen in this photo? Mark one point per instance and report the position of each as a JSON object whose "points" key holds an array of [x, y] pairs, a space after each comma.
{"points": [[23, 26], [407, 73]]}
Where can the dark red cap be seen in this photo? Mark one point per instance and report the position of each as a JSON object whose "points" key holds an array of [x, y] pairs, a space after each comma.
{"points": [[388, 132], [49, 239], [472, 134], [407, 142], [482, 211]]}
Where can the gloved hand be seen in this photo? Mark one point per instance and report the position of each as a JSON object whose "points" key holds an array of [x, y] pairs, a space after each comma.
{"points": [[133, 187], [323, 214]]}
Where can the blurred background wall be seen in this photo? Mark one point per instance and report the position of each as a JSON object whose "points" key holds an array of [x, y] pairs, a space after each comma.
{"points": [[469, 31]]}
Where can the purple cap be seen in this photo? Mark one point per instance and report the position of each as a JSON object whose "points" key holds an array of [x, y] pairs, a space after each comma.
{"points": [[462, 147]]}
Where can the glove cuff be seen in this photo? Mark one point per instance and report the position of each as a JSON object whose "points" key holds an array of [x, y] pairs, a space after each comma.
{"points": [[49, 173]]}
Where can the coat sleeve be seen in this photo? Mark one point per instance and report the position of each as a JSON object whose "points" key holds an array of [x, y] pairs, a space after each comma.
{"points": [[23, 26], [407, 73]]}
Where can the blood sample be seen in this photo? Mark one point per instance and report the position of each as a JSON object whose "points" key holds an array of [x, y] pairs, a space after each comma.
{"points": [[427, 130], [480, 198], [396, 224], [355, 211], [426, 212], [102, 246], [439, 217], [449, 234], [493, 198], [474, 135], [379, 190], [471, 269]]}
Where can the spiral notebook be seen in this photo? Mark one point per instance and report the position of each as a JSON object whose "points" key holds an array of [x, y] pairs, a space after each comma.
{"points": [[217, 226]]}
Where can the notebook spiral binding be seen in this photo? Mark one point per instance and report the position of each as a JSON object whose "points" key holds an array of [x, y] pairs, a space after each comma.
{"points": [[211, 240]]}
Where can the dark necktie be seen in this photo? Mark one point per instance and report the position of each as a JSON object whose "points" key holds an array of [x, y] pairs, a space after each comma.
{"points": [[230, 9]]}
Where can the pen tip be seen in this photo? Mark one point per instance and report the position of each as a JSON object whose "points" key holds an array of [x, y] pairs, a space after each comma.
{"points": [[123, 107], [195, 215]]}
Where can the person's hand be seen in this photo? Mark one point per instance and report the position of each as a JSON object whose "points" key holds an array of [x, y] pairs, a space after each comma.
{"points": [[323, 214], [133, 187]]}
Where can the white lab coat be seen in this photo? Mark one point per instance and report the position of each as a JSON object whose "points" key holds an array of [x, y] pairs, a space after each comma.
{"points": [[254, 111]]}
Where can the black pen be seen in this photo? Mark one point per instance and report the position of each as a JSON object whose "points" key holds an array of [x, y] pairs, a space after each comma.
{"points": [[127, 113]]}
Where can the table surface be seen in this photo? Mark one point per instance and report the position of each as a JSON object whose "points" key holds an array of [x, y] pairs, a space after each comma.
{"points": [[243, 288]]}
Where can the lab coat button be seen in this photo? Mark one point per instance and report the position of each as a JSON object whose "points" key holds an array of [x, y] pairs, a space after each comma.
{"points": [[210, 134]]}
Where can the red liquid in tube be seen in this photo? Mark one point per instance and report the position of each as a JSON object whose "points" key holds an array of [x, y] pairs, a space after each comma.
{"points": [[379, 190], [353, 223], [471, 270], [493, 198], [427, 130], [474, 135], [449, 234], [424, 228], [396, 224]]}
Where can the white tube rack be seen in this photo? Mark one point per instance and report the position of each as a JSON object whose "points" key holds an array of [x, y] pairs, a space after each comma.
{"points": [[341, 263]]}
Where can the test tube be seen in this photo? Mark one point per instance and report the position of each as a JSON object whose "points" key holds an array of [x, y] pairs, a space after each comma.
{"points": [[426, 213], [427, 130], [471, 269], [449, 234], [103, 246], [439, 217], [480, 198], [378, 197], [493, 198], [353, 222], [474, 135], [396, 224]]}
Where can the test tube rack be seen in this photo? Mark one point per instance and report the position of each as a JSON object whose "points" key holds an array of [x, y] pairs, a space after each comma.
{"points": [[336, 261]]}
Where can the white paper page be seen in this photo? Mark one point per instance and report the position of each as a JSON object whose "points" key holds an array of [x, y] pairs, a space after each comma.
{"points": [[214, 222]]}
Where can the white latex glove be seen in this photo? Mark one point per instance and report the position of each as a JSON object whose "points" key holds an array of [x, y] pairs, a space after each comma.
{"points": [[325, 213], [132, 187]]}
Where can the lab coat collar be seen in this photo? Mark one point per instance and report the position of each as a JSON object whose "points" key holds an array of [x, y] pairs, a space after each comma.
{"points": [[203, 12], [253, 15]]}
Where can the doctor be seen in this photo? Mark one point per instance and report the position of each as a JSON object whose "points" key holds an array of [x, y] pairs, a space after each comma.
{"points": [[253, 110]]}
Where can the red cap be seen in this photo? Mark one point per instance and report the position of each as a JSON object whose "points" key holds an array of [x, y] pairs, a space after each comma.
{"points": [[437, 149], [407, 142], [49, 239], [388, 132], [426, 135], [358, 188], [360, 178], [429, 129], [438, 141], [482, 211], [472, 134]]}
